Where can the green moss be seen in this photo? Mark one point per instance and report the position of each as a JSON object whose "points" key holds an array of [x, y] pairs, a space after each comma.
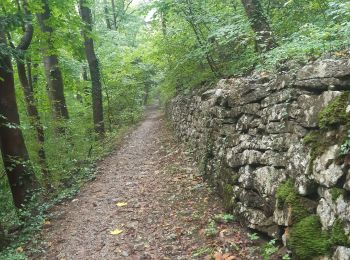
{"points": [[287, 196], [334, 114], [284, 191], [227, 197], [319, 143], [311, 137], [336, 192], [307, 239], [235, 178], [338, 236]]}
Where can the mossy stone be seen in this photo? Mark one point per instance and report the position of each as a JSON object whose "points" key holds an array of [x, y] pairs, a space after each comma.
{"points": [[338, 236], [336, 192], [307, 239], [329, 118], [334, 114], [287, 196]]}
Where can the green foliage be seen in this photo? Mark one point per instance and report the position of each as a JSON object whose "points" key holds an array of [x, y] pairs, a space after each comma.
{"points": [[211, 229], [127, 77], [192, 31], [286, 257], [307, 239], [253, 236], [223, 218], [345, 147], [269, 249]]}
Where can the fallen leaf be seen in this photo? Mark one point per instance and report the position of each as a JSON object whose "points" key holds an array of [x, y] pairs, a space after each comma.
{"points": [[116, 231], [121, 204]]}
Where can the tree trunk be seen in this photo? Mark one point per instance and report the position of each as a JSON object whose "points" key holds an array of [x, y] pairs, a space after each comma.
{"points": [[27, 85], [14, 152], [85, 73], [264, 39], [34, 119], [97, 105], [52, 70], [114, 15], [108, 21]]}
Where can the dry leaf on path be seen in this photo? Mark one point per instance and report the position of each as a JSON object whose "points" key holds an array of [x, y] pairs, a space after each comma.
{"points": [[121, 204], [116, 231]]}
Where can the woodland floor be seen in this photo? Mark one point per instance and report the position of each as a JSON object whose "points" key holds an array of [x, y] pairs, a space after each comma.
{"points": [[168, 207]]}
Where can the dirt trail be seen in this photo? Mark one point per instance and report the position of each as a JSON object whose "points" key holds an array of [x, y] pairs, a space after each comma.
{"points": [[168, 207]]}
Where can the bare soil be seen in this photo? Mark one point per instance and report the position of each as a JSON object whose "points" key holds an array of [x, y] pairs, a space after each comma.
{"points": [[150, 193]]}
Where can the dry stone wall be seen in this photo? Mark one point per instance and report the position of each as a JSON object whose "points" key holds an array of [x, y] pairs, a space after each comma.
{"points": [[271, 146]]}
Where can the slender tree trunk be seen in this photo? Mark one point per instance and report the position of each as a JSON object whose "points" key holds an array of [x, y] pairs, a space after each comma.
{"points": [[14, 152], [85, 73], [108, 21], [97, 104], [114, 15], [34, 118], [52, 70], [27, 85], [264, 37]]}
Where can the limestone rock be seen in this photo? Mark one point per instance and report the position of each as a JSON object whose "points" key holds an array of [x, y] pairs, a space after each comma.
{"points": [[299, 158], [326, 214], [256, 219], [265, 179], [252, 199], [347, 182], [248, 157], [309, 107], [285, 96], [325, 69], [325, 171], [323, 74], [304, 185], [282, 217], [341, 253]]}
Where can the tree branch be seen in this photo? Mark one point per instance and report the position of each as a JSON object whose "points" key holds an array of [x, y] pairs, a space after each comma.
{"points": [[27, 38]]}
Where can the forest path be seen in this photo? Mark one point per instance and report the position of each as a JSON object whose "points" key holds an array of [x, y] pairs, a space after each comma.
{"points": [[168, 206]]}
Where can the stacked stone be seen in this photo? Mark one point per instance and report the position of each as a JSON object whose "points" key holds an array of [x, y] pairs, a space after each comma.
{"points": [[249, 136]]}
